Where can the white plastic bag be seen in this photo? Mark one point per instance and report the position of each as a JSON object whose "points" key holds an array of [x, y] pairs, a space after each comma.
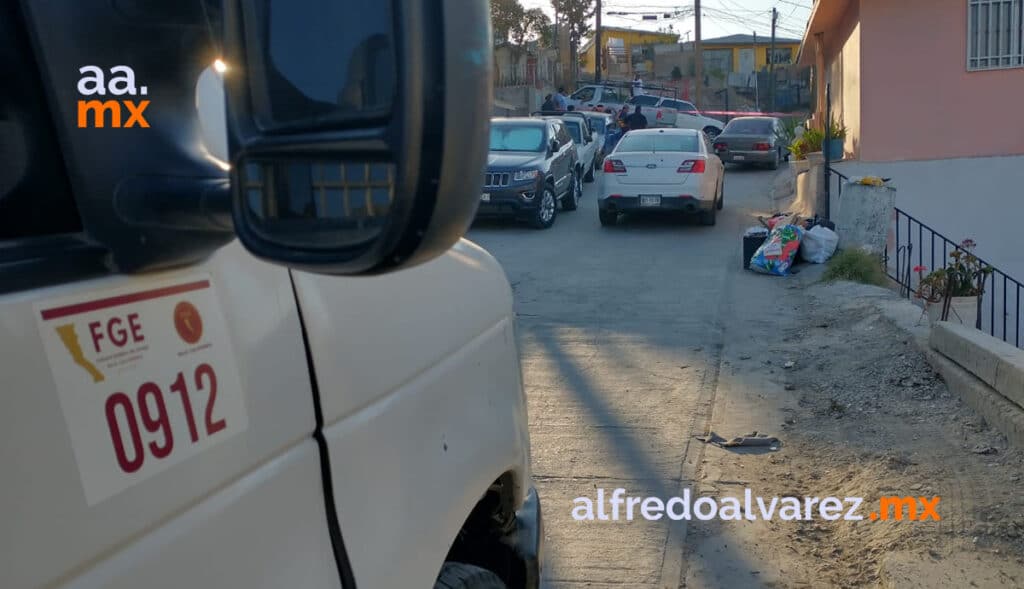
{"points": [[818, 245]]}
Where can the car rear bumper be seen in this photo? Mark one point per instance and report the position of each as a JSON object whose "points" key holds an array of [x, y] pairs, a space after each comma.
{"points": [[747, 157], [668, 204]]}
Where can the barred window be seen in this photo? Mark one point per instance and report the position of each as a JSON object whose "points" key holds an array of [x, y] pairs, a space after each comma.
{"points": [[995, 31]]}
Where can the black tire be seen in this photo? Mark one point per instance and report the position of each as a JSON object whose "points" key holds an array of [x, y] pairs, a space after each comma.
{"points": [[590, 173], [571, 199], [456, 575], [547, 209], [711, 132], [707, 218], [721, 195], [608, 218]]}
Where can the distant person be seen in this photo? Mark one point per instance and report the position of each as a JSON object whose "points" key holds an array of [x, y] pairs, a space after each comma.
{"points": [[638, 86], [636, 120], [570, 108], [623, 115], [599, 108], [561, 100], [549, 103]]}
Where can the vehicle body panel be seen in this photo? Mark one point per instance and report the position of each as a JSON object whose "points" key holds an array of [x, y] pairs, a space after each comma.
{"points": [[589, 96], [689, 117], [50, 531], [656, 109], [587, 149], [736, 144], [433, 409]]}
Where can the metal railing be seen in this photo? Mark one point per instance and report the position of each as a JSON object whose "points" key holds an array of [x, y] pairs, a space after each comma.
{"points": [[916, 244]]}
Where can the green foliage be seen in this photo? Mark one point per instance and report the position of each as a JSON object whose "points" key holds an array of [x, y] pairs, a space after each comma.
{"points": [[856, 265], [963, 276], [787, 134], [513, 23], [836, 129], [810, 142], [576, 15]]}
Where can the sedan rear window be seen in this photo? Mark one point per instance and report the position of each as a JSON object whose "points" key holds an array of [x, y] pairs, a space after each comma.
{"points": [[749, 127], [517, 138], [658, 142]]}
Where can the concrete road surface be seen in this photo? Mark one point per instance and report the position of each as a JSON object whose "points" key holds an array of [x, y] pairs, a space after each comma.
{"points": [[622, 331]]}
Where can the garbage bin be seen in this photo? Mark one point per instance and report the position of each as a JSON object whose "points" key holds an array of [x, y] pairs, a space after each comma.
{"points": [[752, 239], [864, 216]]}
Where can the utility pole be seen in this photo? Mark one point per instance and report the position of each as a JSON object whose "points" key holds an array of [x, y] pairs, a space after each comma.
{"points": [[598, 49], [757, 95], [771, 60], [698, 55]]}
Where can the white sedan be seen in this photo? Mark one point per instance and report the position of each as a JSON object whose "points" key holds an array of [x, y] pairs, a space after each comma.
{"points": [[662, 171]]}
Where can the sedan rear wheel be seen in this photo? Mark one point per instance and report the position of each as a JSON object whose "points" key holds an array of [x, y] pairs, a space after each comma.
{"points": [[608, 218], [721, 194], [571, 199], [590, 172]]}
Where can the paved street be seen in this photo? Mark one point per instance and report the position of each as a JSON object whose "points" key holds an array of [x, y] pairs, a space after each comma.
{"points": [[621, 333]]}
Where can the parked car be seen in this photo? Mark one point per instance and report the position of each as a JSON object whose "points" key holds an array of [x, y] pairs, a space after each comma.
{"points": [[588, 97], [606, 128], [583, 135], [752, 140], [532, 166], [662, 171], [662, 111]]}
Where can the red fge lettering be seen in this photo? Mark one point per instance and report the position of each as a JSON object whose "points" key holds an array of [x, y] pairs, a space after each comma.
{"points": [[116, 332]]}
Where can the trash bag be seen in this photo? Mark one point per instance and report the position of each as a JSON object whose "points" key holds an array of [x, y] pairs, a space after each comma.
{"points": [[778, 253], [818, 244]]}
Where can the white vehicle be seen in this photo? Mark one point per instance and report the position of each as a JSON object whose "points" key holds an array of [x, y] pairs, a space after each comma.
{"points": [[662, 171], [586, 144], [333, 398], [588, 97], [670, 112]]}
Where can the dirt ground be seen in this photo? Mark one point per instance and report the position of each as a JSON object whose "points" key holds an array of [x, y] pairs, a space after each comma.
{"points": [[859, 412]]}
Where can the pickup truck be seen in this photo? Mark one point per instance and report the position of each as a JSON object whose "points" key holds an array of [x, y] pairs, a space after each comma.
{"points": [[663, 111], [588, 97]]}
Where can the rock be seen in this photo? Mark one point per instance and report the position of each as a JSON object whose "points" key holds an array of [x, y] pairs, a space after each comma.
{"points": [[983, 449], [789, 364]]}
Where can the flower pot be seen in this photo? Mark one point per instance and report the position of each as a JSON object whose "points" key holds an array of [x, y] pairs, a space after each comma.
{"points": [[962, 310], [815, 158], [796, 167], [835, 149]]}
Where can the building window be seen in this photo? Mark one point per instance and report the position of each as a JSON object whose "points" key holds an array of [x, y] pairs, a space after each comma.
{"points": [[783, 55], [994, 34]]}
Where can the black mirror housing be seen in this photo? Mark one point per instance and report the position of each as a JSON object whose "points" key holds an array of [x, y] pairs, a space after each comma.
{"points": [[357, 130]]}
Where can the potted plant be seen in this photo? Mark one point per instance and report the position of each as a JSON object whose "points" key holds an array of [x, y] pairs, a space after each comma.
{"points": [[837, 137], [954, 293]]}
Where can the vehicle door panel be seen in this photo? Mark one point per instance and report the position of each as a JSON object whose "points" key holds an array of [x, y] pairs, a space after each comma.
{"points": [[50, 532]]}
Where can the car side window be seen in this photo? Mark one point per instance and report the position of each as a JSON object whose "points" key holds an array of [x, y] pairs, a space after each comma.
{"points": [[563, 136], [584, 94], [687, 107], [610, 95]]}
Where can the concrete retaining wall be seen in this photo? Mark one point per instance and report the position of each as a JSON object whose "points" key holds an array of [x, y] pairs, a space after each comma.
{"points": [[986, 372]]}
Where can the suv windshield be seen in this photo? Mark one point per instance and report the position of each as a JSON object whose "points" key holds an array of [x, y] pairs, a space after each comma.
{"points": [[749, 126], [658, 142], [517, 138]]}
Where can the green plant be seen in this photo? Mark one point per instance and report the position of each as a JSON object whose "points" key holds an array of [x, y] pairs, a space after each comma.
{"points": [[963, 276], [855, 265], [810, 142], [786, 134], [836, 129]]}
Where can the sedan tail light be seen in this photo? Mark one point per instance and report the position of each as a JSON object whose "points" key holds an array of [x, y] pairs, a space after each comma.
{"points": [[721, 146], [691, 167], [614, 167], [762, 146]]}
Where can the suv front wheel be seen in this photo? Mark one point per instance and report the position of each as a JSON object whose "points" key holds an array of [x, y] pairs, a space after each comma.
{"points": [[544, 215]]}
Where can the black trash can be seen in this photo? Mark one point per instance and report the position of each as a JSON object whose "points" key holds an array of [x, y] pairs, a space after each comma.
{"points": [[752, 239]]}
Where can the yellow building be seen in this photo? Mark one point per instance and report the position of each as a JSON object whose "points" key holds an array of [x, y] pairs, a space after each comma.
{"points": [[627, 51], [739, 53]]}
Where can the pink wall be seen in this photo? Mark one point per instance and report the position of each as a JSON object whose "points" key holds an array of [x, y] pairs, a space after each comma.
{"points": [[918, 101]]}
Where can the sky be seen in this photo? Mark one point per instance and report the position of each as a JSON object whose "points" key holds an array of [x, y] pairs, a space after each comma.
{"points": [[721, 17]]}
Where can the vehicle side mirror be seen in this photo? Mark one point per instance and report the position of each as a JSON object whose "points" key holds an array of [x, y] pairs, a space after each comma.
{"points": [[357, 144], [554, 145]]}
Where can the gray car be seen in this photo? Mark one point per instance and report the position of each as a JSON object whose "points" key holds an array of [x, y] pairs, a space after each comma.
{"points": [[751, 140]]}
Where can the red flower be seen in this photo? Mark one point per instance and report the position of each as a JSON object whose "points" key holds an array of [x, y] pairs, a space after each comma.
{"points": [[919, 269], [967, 244]]}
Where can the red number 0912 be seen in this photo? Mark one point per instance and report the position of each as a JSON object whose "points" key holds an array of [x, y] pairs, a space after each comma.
{"points": [[149, 407]]}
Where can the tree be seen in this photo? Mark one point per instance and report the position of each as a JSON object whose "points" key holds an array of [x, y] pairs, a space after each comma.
{"points": [[506, 16], [533, 25], [575, 15]]}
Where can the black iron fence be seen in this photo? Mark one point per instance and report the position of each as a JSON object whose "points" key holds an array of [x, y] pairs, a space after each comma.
{"points": [[914, 244]]}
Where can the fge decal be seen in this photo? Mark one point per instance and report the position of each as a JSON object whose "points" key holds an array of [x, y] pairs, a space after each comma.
{"points": [[121, 82]]}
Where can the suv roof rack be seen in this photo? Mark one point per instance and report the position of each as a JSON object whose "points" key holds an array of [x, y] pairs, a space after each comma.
{"points": [[629, 85]]}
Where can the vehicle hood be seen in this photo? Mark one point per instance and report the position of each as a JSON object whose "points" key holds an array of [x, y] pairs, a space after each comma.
{"points": [[514, 159]]}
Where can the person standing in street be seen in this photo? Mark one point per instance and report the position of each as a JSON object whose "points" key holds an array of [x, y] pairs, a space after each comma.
{"points": [[636, 120], [549, 104], [638, 86], [561, 100]]}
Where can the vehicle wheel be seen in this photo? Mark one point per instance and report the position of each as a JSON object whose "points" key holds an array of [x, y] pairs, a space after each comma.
{"points": [[708, 217], [590, 173], [775, 163], [571, 199], [711, 132], [544, 215], [456, 575], [721, 195], [608, 218]]}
